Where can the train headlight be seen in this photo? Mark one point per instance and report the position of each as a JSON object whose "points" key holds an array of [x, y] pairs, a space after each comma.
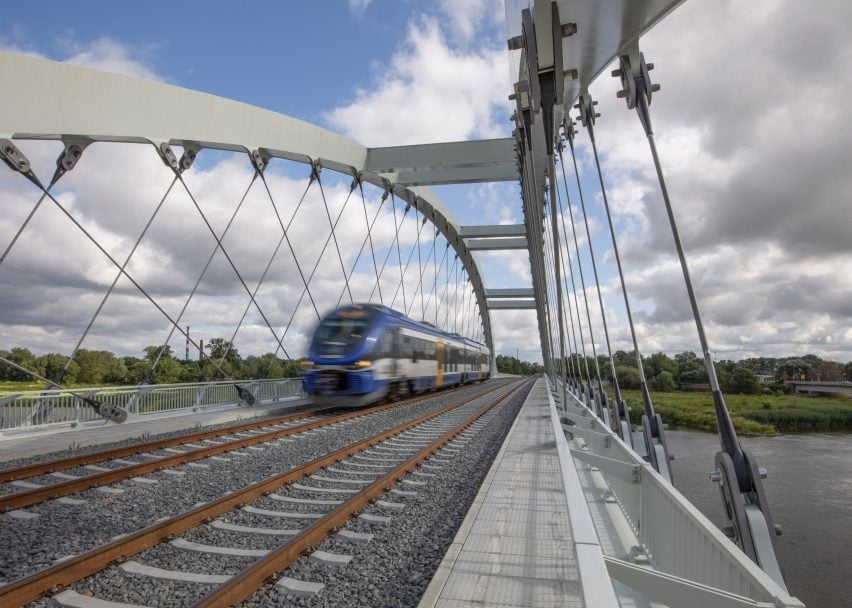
{"points": [[307, 364], [361, 364]]}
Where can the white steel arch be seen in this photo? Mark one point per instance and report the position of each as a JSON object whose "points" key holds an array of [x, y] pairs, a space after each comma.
{"points": [[76, 104]]}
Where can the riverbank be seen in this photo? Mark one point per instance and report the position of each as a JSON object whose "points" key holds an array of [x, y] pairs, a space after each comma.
{"points": [[751, 414]]}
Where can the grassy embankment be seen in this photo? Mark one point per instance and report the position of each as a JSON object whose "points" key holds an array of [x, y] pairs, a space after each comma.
{"points": [[751, 414], [9, 386]]}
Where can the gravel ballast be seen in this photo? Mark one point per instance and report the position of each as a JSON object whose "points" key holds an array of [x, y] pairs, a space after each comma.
{"points": [[393, 569]]}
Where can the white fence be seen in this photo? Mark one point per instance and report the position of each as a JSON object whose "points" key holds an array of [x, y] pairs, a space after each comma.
{"points": [[29, 410], [667, 549]]}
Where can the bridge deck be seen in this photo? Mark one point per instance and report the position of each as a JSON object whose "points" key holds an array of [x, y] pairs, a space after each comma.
{"points": [[516, 546]]}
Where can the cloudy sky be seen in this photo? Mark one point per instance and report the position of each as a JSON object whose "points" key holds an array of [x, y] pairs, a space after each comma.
{"points": [[754, 141]]}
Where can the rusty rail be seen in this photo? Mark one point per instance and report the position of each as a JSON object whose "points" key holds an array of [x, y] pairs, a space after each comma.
{"points": [[71, 462], [27, 498], [59, 576], [250, 580]]}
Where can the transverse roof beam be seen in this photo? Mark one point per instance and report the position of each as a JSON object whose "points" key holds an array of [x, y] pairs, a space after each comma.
{"points": [[511, 304], [441, 156], [456, 175], [512, 292], [493, 230], [496, 244]]}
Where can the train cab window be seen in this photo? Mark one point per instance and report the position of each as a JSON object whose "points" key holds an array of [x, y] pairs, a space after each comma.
{"points": [[341, 332]]}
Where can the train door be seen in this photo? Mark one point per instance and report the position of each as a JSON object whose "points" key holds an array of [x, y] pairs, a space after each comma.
{"points": [[439, 357]]}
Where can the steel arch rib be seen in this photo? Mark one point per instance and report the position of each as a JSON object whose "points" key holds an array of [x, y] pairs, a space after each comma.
{"points": [[61, 101]]}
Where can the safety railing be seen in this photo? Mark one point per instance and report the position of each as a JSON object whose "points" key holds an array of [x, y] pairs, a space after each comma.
{"points": [[29, 410], [676, 551]]}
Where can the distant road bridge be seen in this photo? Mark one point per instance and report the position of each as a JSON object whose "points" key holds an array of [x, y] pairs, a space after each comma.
{"points": [[136, 209], [822, 388]]}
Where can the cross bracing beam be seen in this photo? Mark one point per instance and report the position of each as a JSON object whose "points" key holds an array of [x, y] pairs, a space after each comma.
{"points": [[511, 292], [498, 244], [456, 175], [493, 231], [484, 152], [60, 101], [511, 304]]}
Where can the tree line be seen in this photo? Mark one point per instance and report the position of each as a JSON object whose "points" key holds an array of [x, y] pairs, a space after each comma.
{"points": [[221, 361], [513, 365], [686, 371]]}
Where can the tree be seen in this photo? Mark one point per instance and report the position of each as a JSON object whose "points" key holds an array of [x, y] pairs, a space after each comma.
{"points": [[628, 377], [624, 359], [168, 371], [659, 362], [511, 365], [152, 352], [52, 364], [792, 369], [190, 372], [663, 382], [741, 380], [137, 369], [269, 366], [605, 367], [222, 349], [22, 357], [690, 369]]}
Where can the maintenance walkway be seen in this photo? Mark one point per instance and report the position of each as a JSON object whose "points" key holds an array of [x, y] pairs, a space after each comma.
{"points": [[518, 545]]}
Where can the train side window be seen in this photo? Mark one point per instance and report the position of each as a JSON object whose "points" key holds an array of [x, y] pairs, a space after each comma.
{"points": [[383, 350], [408, 349]]}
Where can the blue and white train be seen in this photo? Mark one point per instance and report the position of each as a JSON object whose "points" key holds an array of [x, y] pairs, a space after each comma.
{"points": [[365, 353]]}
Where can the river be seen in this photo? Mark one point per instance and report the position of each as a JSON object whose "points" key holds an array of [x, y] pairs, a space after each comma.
{"points": [[809, 488]]}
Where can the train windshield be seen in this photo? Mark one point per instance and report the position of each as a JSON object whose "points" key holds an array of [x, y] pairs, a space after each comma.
{"points": [[339, 333]]}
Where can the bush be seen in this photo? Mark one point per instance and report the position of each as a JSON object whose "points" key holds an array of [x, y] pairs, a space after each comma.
{"points": [[663, 382]]}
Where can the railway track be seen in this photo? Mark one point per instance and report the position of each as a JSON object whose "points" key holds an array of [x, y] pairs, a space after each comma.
{"points": [[71, 569], [175, 451]]}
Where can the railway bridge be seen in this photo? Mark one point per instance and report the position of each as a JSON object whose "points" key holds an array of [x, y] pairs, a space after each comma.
{"points": [[231, 220]]}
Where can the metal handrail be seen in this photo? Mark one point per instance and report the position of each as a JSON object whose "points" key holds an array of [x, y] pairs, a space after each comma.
{"points": [[670, 537], [22, 411]]}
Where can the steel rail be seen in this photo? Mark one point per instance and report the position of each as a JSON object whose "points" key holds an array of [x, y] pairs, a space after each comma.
{"points": [[55, 578], [61, 464], [33, 496], [241, 586]]}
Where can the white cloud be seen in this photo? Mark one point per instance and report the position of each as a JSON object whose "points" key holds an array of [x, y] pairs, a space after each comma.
{"points": [[430, 92], [756, 179], [358, 6], [469, 18], [751, 133], [111, 56]]}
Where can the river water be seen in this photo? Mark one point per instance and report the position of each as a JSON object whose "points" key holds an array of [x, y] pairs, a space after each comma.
{"points": [[809, 488]]}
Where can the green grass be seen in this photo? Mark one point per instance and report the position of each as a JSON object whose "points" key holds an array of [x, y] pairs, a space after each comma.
{"points": [[751, 414], [10, 386]]}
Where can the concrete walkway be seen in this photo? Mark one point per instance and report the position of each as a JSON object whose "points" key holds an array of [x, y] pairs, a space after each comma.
{"points": [[515, 548]]}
